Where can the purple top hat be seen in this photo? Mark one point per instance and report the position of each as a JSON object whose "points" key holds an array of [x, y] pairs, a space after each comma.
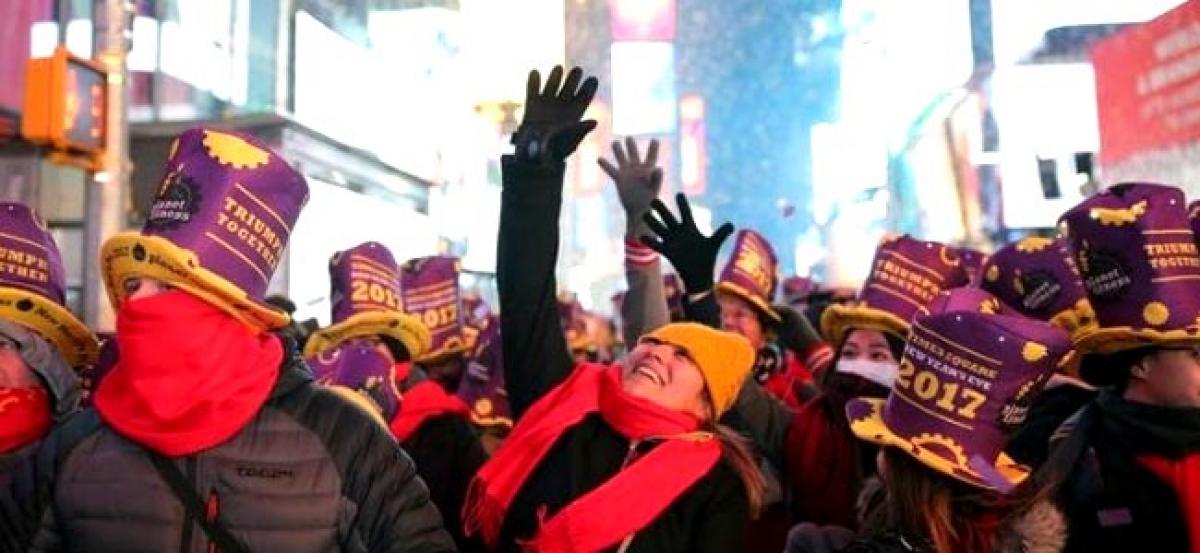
{"points": [[365, 295], [362, 368], [32, 284], [751, 273], [218, 226], [1037, 277], [966, 381], [482, 387], [429, 286], [1137, 256], [905, 276], [797, 289]]}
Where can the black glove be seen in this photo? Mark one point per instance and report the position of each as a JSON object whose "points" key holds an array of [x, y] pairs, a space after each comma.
{"points": [[551, 128], [692, 253], [795, 332]]}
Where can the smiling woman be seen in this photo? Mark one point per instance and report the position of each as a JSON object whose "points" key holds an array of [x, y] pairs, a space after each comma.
{"points": [[601, 457]]}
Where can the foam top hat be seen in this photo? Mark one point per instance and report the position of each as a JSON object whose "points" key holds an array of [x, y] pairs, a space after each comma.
{"points": [[1037, 277], [33, 284], [361, 368], [217, 227], [751, 273], [797, 289], [906, 275], [365, 293], [429, 287], [1138, 259], [482, 388], [967, 378]]}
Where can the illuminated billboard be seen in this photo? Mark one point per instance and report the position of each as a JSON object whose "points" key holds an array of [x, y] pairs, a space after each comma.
{"points": [[643, 88]]}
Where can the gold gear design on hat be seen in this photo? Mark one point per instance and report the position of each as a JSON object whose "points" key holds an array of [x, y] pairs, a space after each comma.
{"points": [[933, 442], [931, 449], [1033, 244], [948, 257], [1119, 217], [1156, 313], [231, 150], [1033, 352]]}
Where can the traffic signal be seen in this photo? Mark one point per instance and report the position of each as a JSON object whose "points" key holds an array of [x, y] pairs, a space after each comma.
{"points": [[65, 103]]}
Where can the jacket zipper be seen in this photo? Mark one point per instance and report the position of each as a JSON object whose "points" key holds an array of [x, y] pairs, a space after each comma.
{"points": [[185, 544], [212, 508]]}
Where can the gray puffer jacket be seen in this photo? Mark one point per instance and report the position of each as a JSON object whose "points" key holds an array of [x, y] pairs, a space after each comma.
{"points": [[56, 376], [310, 472]]}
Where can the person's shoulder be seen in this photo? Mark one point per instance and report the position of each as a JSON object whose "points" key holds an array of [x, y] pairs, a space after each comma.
{"points": [[73, 430], [344, 426]]}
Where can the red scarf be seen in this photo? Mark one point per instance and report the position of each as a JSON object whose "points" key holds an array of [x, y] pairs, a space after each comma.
{"points": [[422, 402], [1183, 475], [821, 458], [629, 501], [190, 376], [24, 417]]}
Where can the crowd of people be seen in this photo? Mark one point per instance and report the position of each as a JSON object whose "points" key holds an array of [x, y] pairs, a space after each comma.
{"points": [[1037, 399]]}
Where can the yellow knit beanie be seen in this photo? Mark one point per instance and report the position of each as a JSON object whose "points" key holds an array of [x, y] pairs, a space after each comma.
{"points": [[724, 358]]}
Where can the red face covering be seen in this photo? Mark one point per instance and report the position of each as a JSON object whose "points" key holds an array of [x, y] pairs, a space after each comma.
{"points": [[190, 376], [24, 417], [422, 402]]}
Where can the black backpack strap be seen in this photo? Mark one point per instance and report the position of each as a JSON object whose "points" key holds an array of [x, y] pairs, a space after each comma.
{"points": [[194, 506]]}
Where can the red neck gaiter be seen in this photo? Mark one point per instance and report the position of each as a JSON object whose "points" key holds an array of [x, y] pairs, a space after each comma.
{"points": [[190, 376], [422, 402], [24, 417], [624, 504]]}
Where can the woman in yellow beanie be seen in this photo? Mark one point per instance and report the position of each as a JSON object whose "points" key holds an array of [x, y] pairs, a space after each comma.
{"points": [[602, 457]]}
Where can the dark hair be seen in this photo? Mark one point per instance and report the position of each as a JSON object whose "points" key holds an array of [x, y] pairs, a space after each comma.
{"points": [[399, 352], [739, 452], [282, 302], [1113, 369], [923, 504]]}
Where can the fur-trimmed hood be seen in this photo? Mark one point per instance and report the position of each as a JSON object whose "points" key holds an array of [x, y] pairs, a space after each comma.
{"points": [[1042, 529]]}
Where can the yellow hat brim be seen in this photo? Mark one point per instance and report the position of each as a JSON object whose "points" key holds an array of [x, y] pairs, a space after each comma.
{"points": [[837, 320], [754, 299], [1106, 340], [128, 255], [873, 429], [53, 322], [406, 329], [449, 349]]}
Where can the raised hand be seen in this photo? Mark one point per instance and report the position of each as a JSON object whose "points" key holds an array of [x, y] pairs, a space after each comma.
{"points": [[552, 128], [680, 241], [638, 182]]}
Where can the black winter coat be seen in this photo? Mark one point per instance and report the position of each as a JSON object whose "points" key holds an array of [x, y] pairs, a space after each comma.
{"points": [[711, 516], [1111, 503], [310, 472], [447, 452], [1030, 444]]}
